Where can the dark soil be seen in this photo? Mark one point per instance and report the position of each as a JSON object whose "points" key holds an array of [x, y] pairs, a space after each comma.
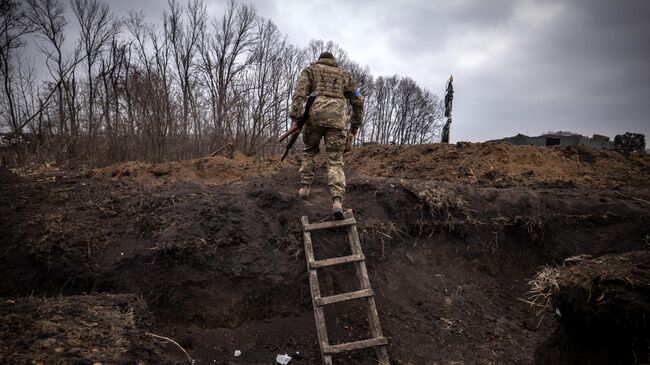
{"points": [[605, 311], [221, 268], [85, 329]]}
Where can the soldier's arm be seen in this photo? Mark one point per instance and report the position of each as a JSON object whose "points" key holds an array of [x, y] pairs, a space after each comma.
{"points": [[300, 93], [353, 94]]}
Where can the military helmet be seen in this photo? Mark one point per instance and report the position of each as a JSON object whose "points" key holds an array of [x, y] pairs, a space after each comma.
{"points": [[326, 55]]}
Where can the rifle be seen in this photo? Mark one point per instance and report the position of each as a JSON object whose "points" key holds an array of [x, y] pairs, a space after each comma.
{"points": [[348, 142], [295, 130]]}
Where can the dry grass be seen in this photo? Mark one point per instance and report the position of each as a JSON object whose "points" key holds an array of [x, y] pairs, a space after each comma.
{"points": [[542, 288], [442, 203], [534, 225], [382, 231]]}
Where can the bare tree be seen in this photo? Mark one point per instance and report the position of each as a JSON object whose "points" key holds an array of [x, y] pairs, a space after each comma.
{"points": [[47, 18], [399, 111], [13, 27], [223, 59], [318, 46], [184, 37], [266, 92], [177, 88], [97, 28]]}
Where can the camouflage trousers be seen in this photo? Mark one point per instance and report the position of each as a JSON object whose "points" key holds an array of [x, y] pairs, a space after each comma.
{"points": [[334, 146]]}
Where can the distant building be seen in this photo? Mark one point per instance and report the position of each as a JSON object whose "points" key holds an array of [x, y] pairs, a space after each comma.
{"points": [[558, 139]]}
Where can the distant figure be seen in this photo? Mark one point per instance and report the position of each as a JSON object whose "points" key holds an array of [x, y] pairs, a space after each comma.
{"points": [[449, 99], [327, 119]]}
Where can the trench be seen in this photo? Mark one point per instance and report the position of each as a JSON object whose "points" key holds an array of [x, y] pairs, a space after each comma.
{"points": [[222, 268]]}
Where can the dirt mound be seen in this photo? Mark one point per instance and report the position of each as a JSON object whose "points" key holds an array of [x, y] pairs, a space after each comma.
{"points": [[504, 165], [107, 329], [36, 169], [610, 294], [498, 165], [208, 170], [603, 307]]}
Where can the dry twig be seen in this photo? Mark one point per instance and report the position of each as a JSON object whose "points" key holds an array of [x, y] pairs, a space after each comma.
{"points": [[192, 361], [633, 198]]}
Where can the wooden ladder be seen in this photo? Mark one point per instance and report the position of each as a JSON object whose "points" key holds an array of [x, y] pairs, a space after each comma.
{"points": [[378, 341]]}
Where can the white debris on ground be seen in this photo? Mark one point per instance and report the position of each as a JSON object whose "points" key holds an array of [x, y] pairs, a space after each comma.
{"points": [[283, 359]]}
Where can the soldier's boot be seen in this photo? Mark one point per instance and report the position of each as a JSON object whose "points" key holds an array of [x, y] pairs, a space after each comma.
{"points": [[304, 191], [337, 208]]}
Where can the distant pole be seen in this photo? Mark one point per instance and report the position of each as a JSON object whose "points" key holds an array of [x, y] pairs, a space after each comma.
{"points": [[449, 98]]}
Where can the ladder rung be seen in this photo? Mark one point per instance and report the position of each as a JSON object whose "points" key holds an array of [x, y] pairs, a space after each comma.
{"points": [[331, 224], [344, 297], [335, 349], [336, 261]]}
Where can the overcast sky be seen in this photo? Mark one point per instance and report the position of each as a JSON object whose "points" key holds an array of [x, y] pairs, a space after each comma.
{"points": [[519, 66]]}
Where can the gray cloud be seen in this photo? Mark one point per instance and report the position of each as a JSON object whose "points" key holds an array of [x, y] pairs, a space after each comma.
{"points": [[519, 66]]}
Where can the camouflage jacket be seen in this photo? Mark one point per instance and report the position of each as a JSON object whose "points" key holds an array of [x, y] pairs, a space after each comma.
{"points": [[335, 88]]}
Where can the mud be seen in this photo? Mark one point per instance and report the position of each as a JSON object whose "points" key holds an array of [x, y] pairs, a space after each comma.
{"points": [[220, 267]]}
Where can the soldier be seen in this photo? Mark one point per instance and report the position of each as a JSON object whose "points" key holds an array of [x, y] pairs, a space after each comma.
{"points": [[327, 119]]}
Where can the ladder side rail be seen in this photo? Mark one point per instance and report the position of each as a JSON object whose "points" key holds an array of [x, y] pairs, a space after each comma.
{"points": [[364, 281], [319, 314]]}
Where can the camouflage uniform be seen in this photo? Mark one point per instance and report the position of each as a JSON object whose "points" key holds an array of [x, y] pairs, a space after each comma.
{"points": [[327, 118]]}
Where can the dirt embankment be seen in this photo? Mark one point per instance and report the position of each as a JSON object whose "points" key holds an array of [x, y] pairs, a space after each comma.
{"points": [[603, 305], [498, 165], [504, 165], [207, 170], [220, 266]]}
